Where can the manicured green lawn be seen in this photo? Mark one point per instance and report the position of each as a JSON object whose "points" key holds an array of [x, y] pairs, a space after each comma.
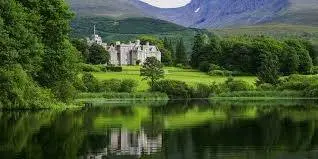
{"points": [[189, 76]]}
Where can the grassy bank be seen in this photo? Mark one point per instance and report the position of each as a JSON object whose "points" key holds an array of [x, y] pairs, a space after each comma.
{"points": [[122, 96], [189, 76], [260, 95]]}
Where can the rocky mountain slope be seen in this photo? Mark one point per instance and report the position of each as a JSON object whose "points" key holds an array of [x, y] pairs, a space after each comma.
{"points": [[208, 13]]}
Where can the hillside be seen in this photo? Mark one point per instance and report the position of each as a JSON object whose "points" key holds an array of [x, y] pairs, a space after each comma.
{"points": [[111, 29], [275, 30], [113, 8]]}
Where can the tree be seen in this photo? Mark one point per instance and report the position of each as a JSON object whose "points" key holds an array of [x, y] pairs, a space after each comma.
{"points": [[197, 47], [289, 61], [181, 56], [152, 70], [305, 61], [170, 48], [268, 72], [98, 55], [167, 53], [81, 46], [313, 52], [34, 42]]}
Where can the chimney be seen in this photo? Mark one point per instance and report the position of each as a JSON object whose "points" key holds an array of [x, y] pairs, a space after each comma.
{"points": [[117, 43], [137, 42], [147, 43]]}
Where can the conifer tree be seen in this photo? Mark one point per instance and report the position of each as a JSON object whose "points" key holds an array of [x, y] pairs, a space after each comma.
{"points": [[197, 47], [181, 56]]}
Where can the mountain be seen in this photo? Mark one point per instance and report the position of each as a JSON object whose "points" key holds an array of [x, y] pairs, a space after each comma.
{"points": [[219, 13], [208, 13], [113, 8]]}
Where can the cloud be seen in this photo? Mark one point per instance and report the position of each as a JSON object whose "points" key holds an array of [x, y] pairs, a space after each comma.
{"points": [[167, 3]]}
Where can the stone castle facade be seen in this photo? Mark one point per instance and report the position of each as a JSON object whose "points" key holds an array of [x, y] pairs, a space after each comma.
{"points": [[127, 54]]}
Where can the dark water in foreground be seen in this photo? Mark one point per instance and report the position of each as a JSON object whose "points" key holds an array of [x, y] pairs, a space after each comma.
{"points": [[178, 130]]}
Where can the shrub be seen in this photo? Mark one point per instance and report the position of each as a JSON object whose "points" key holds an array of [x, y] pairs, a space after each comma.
{"points": [[314, 70], [187, 67], [296, 82], [220, 73], [79, 84], [311, 91], [65, 91], [214, 67], [90, 82], [216, 73], [173, 88], [265, 87], [90, 68], [19, 91], [122, 96], [285, 94], [128, 85], [114, 68], [179, 65], [204, 66], [111, 85], [116, 85], [235, 85], [204, 90]]}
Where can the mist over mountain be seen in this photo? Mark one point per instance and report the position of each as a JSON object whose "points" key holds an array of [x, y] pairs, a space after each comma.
{"points": [[208, 13]]}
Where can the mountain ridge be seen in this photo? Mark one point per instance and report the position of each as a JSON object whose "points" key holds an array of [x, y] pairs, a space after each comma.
{"points": [[208, 13]]}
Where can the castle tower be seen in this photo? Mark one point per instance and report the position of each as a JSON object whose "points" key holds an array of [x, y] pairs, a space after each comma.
{"points": [[94, 30]]}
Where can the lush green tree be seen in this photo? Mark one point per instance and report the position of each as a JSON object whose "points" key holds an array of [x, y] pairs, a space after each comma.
{"points": [[98, 55], [242, 58], [168, 53], [166, 57], [268, 70], [90, 82], [60, 57], [170, 47], [152, 70], [212, 51], [83, 48], [181, 55], [34, 37], [197, 47], [313, 52], [289, 61], [305, 61], [152, 40]]}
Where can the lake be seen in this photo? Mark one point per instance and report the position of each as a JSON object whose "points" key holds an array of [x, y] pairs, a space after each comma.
{"points": [[274, 129]]}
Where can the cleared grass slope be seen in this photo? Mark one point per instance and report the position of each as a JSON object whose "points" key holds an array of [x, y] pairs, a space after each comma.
{"points": [[189, 76]]}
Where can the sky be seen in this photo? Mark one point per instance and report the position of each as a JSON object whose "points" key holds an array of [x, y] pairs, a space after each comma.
{"points": [[167, 3]]}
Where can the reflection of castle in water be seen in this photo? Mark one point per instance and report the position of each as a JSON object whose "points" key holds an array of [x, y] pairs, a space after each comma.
{"points": [[125, 143]]}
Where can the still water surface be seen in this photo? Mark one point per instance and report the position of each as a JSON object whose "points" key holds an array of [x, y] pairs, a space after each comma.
{"points": [[174, 130]]}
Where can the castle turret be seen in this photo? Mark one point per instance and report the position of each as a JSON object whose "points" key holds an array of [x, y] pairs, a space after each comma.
{"points": [[137, 42]]}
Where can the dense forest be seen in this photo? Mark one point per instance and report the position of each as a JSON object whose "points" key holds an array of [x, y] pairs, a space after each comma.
{"points": [[38, 63], [242, 53], [254, 55]]}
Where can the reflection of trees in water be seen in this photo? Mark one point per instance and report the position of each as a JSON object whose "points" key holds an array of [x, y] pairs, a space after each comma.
{"points": [[45, 134], [241, 129], [17, 129], [266, 134]]}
